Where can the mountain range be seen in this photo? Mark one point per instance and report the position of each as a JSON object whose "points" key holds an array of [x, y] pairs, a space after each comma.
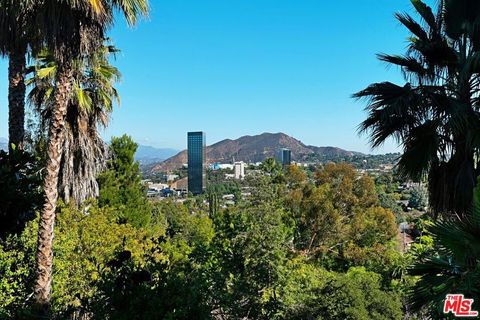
{"points": [[255, 149], [147, 154], [144, 154]]}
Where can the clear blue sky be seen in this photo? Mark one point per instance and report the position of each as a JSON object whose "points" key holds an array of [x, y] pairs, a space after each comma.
{"points": [[240, 67]]}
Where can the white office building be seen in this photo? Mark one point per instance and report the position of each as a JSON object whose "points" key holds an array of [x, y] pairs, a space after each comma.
{"points": [[239, 170]]}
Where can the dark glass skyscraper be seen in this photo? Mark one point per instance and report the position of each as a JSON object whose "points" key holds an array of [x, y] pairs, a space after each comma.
{"points": [[196, 162], [286, 157]]}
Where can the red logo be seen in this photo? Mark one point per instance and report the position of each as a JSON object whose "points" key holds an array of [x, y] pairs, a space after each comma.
{"points": [[459, 306]]}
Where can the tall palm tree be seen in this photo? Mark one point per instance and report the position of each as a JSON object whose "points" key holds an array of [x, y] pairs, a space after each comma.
{"points": [[71, 28], [91, 102], [16, 34], [435, 114]]}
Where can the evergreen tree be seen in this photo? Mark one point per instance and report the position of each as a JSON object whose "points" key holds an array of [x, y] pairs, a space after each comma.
{"points": [[121, 186]]}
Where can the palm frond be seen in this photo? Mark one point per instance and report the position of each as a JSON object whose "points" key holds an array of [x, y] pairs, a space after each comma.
{"points": [[83, 99], [426, 13], [413, 26], [420, 150], [408, 64], [391, 109], [454, 265], [132, 9]]}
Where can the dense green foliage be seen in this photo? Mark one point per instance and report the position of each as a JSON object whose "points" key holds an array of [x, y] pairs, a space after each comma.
{"points": [[122, 257], [418, 198], [120, 185], [321, 243], [356, 294], [340, 221], [19, 190], [223, 188], [299, 246], [448, 261]]}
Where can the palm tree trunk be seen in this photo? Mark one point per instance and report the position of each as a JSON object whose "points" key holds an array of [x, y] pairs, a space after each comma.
{"points": [[16, 98], [44, 262]]}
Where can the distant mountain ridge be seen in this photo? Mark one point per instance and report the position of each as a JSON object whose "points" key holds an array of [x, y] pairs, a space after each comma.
{"points": [[255, 149], [148, 154], [144, 154]]}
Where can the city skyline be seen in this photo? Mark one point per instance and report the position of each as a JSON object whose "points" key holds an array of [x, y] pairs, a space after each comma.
{"points": [[228, 66]]}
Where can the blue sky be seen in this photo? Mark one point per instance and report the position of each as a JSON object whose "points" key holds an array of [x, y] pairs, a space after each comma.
{"points": [[237, 67]]}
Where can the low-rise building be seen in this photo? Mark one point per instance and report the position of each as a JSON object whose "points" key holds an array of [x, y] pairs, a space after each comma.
{"points": [[220, 166], [170, 177], [157, 186]]}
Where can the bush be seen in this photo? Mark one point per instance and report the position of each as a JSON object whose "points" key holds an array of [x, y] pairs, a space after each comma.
{"points": [[20, 191]]}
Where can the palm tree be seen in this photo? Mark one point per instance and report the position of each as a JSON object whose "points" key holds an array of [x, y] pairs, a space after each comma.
{"points": [[70, 29], [435, 114], [15, 37], [453, 266], [91, 102]]}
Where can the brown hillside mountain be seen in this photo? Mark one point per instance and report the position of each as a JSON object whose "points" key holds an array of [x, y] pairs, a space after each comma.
{"points": [[252, 149]]}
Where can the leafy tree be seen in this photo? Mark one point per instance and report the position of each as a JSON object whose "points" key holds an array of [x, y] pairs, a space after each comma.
{"points": [[389, 201], [355, 295], [126, 292], [319, 223], [373, 225], [121, 187], [299, 285], [249, 251], [372, 241], [173, 287], [271, 166], [347, 188], [222, 188], [20, 191], [339, 222], [86, 240], [434, 115], [418, 198], [295, 176], [17, 265], [388, 182]]}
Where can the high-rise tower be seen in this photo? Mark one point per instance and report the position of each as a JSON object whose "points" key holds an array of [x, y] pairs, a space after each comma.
{"points": [[286, 157], [196, 162]]}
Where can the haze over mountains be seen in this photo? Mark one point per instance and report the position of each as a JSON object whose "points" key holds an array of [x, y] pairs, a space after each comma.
{"points": [[255, 149], [148, 155], [144, 154]]}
